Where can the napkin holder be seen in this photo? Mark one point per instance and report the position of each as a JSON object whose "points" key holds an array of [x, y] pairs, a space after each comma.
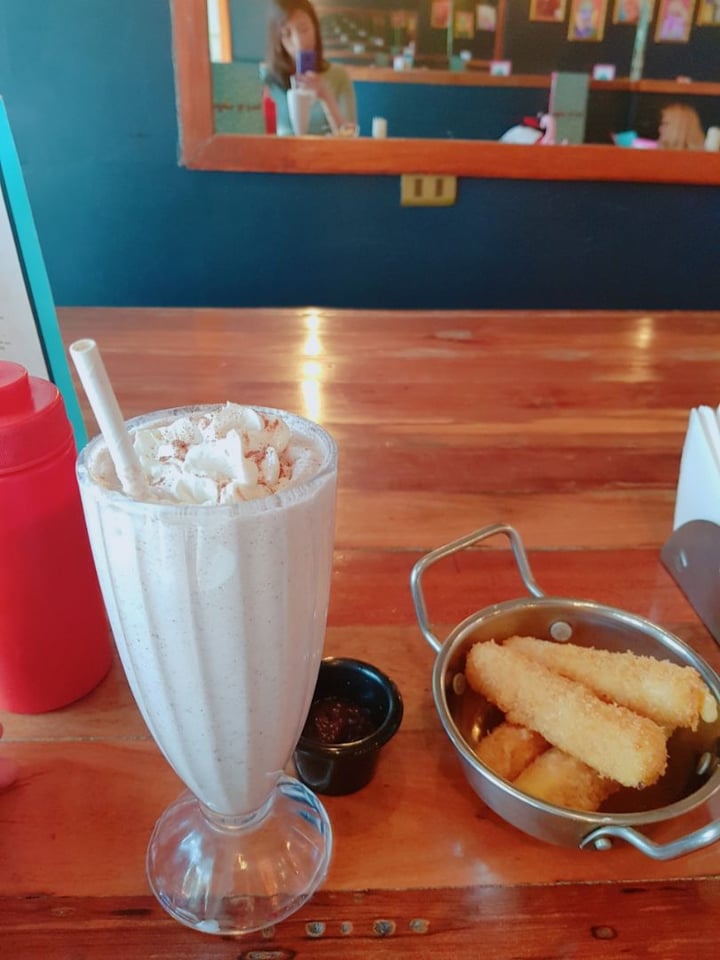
{"points": [[691, 555]]}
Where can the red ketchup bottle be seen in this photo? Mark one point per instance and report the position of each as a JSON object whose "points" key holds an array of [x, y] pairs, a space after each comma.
{"points": [[54, 637]]}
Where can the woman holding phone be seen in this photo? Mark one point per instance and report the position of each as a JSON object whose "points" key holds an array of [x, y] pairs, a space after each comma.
{"points": [[295, 59]]}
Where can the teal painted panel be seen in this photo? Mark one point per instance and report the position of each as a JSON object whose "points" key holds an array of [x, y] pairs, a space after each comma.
{"points": [[123, 224], [237, 98], [248, 24]]}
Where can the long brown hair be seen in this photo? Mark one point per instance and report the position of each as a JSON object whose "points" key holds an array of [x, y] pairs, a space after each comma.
{"points": [[680, 128], [280, 66]]}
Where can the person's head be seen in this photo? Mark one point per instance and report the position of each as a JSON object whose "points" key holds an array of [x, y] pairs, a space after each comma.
{"points": [[293, 26], [680, 128]]}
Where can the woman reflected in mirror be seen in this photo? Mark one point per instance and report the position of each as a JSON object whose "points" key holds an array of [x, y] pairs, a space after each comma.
{"points": [[295, 61]]}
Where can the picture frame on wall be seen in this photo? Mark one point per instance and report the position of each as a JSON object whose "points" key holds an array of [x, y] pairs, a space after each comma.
{"points": [[674, 21], [440, 14], [464, 25], [485, 18], [708, 14], [587, 20], [628, 11], [547, 11]]}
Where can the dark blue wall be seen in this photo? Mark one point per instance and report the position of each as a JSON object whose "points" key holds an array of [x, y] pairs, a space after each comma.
{"points": [[88, 85]]}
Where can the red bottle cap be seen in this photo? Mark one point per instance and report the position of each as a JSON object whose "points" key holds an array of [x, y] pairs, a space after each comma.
{"points": [[33, 422]]}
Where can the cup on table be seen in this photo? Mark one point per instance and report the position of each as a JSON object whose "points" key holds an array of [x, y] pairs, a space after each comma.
{"points": [[712, 139], [300, 103], [379, 128], [218, 611], [356, 710]]}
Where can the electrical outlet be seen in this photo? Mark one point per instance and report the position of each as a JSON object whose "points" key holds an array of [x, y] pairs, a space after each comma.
{"points": [[427, 191]]}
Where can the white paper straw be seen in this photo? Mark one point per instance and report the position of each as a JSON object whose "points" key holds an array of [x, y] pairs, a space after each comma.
{"points": [[102, 399]]}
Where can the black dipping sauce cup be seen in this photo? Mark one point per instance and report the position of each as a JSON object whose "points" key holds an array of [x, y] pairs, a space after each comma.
{"points": [[351, 699]]}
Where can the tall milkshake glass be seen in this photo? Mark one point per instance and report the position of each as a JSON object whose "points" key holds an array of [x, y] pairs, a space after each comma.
{"points": [[218, 613]]}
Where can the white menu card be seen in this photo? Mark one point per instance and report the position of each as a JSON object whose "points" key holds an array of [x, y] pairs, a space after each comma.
{"points": [[19, 337], [29, 332]]}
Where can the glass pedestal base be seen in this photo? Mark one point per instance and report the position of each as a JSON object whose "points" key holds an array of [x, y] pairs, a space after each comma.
{"points": [[234, 875]]}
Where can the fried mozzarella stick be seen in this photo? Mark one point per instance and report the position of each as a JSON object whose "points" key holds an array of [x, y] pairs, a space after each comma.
{"points": [[614, 741], [558, 778], [670, 695], [509, 749]]}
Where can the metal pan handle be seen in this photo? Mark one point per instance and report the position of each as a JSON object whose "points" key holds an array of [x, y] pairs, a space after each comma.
{"points": [[601, 839], [441, 552]]}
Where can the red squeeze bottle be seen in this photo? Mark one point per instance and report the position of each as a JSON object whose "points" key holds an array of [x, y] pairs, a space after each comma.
{"points": [[54, 637]]}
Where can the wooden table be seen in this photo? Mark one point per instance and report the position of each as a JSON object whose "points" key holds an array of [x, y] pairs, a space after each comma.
{"points": [[568, 426]]}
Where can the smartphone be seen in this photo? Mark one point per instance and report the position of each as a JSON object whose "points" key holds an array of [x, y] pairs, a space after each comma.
{"points": [[305, 61]]}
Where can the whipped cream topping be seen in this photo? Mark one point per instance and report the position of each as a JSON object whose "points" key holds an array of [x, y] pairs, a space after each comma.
{"points": [[232, 453]]}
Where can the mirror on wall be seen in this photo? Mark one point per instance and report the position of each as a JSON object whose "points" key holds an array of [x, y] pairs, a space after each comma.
{"points": [[209, 49]]}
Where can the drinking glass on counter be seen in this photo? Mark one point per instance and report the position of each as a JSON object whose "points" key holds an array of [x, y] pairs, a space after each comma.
{"points": [[300, 102], [217, 600]]}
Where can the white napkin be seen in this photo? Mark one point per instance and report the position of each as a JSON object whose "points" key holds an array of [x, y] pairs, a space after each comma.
{"points": [[698, 493]]}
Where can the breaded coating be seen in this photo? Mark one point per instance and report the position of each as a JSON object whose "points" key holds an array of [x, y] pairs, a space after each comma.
{"points": [[558, 778], [508, 749], [614, 741], [671, 695]]}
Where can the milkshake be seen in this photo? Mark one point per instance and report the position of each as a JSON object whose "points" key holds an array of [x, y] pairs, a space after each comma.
{"points": [[216, 586]]}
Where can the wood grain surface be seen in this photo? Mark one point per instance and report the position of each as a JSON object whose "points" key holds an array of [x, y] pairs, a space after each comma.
{"points": [[569, 426]]}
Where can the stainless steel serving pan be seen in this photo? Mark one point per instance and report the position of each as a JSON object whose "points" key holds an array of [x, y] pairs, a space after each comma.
{"points": [[692, 780]]}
